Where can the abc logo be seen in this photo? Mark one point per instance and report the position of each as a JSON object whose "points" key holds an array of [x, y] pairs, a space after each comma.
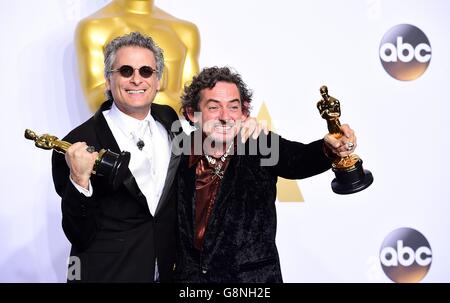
{"points": [[405, 255], [405, 52]]}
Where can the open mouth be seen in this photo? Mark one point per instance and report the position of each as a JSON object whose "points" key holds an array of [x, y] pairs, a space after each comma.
{"points": [[135, 91], [223, 128]]}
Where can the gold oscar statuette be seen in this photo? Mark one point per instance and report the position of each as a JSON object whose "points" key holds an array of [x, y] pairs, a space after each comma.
{"points": [[351, 177], [108, 164], [180, 40]]}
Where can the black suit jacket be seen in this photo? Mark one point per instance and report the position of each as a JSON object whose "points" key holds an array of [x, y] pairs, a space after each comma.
{"points": [[113, 233], [239, 243]]}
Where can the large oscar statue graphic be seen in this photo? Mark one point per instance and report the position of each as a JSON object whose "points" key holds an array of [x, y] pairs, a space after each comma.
{"points": [[179, 39], [350, 175], [108, 164]]}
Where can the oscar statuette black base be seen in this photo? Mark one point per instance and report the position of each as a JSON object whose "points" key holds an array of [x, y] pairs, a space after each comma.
{"points": [[352, 180], [114, 167]]}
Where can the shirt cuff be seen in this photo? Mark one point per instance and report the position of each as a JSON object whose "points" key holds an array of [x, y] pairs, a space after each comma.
{"points": [[87, 192]]}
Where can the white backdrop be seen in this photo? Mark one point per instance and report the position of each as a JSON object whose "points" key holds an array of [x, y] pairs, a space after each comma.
{"points": [[285, 50]]}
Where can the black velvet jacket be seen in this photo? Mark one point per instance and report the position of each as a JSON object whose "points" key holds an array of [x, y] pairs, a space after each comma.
{"points": [[239, 244]]}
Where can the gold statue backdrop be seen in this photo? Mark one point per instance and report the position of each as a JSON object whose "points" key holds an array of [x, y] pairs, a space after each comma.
{"points": [[179, 39]]}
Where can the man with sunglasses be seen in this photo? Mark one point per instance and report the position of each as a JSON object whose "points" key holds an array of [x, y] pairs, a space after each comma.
{"points": [[126, 234]]}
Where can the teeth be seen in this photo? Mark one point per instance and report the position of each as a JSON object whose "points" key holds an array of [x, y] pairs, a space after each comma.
{"points": [[141, 91], [223, 128]]}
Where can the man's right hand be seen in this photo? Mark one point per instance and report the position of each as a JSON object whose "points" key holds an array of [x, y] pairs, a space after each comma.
{"points": [[81, 162]]}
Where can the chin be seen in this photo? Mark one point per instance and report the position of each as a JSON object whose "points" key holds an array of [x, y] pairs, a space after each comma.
{"points": [[223, 138], [141, 100]]}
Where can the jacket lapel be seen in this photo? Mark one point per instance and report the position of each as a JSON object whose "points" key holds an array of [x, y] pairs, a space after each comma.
{"points": [[103, 132], [107, 141], [222, 206], [174, 158], [186, 197]]}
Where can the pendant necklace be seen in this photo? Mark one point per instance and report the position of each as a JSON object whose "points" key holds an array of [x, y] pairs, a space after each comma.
{"points": [[218, 168]]}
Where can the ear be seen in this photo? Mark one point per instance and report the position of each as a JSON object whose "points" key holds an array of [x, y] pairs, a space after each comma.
{"points": [[108, 84], [158, 85], [191, 116]]}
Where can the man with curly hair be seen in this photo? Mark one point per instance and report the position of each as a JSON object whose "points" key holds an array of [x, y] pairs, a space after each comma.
{"points": [[226, 200]]}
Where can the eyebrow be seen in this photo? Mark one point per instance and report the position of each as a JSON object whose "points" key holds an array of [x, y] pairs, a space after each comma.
{"points": [[217, 101]]}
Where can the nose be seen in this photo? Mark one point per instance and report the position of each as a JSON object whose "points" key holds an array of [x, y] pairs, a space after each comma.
{"points": [[136, 78], [224, 115]]}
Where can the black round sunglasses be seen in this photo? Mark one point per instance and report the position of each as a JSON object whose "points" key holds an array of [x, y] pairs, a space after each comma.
{"points": [[127, 71]]}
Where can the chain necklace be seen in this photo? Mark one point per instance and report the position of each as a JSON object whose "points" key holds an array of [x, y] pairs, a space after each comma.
{"points": [[218, 168]]}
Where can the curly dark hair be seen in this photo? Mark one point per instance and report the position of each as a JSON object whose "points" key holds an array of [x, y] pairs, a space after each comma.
{"points": [[208, 78]]}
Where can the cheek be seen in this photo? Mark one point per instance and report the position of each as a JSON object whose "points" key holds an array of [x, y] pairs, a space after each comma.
{"points": [[208, 117], [115, 85], [208, 123], [154, 85], [238, 116]]}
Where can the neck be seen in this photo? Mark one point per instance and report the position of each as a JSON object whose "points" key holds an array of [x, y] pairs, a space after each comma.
{"points": [[137, 6]]}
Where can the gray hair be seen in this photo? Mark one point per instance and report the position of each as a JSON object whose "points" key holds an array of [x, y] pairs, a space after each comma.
{"points": [[132, 39]]}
